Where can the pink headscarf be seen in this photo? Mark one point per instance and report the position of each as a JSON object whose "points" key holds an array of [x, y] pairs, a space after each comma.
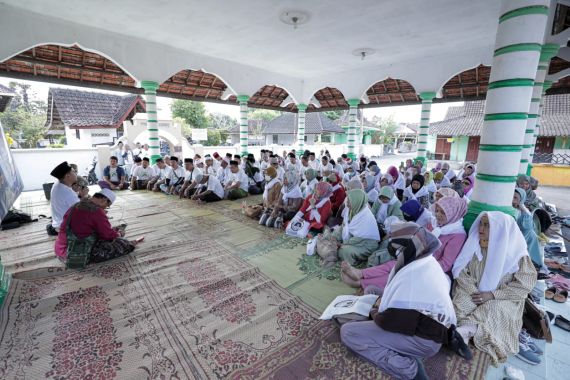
{"points": [[393, 172], [448, 192], [467, 188], [322, 190], [454, 208]]}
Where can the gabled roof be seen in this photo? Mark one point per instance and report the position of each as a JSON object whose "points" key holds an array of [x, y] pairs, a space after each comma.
{"points": [[6, 95], [315, 123], [467, 120], [85, 109], [253, 126], [343, 120]]}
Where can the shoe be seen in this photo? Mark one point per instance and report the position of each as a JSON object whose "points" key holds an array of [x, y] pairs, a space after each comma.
{"points": [[270, 222], [562, 322], [458, 345], [524, 335], [278, 223], [421, 374], [263, 218], [526, 354], [551, 316], [51, 231]]}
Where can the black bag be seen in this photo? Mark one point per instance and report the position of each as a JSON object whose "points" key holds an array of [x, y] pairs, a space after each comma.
{"points": [[15, 219]]}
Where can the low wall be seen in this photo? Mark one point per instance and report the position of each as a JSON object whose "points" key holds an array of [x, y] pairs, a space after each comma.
{"points": [[551, 175], [35, 165]]}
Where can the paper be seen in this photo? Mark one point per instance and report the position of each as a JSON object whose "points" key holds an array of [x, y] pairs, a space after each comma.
{"points": [[350, 304]]}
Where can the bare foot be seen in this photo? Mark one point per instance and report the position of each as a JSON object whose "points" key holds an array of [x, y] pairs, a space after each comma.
{"points": [[349, 281], [350, 271], [138, 241]]}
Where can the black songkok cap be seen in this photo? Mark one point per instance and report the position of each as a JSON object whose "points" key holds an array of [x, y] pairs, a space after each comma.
{"points": [[61, 170], [188, 161]]}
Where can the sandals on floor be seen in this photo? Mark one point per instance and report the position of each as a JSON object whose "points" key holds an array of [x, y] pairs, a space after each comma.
{"points": [[549, 293], [561, 296], [552, 264], [562, 322]]}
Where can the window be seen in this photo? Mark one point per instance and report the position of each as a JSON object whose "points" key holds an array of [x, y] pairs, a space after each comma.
{"points": [[275, 139], [77, 134], [305, 138], [326, 138]]}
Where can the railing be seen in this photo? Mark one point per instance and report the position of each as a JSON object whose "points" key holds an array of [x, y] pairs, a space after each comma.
{"points": [[551, 158]]}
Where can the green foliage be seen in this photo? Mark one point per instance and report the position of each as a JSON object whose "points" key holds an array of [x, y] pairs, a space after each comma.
{"points": [[262, 114], [334, 115], [214, 138], [24, 120], [56, 145], [387, 128], [193, 113], [185, 128]]}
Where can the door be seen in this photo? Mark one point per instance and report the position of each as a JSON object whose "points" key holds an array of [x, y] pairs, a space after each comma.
{"points": [[442, 148], [544, 145], [473, 148]]}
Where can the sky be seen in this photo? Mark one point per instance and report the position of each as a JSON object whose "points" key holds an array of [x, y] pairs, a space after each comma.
{"points": [[401, 114]]}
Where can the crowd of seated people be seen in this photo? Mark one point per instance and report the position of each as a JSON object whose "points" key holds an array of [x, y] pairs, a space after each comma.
{"points": [[398, 232]]}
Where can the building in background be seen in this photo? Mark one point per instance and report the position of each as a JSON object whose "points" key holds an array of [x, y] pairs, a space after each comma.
{"points": [[255, 132], [318, 129], [457, 136], [87, 118]]}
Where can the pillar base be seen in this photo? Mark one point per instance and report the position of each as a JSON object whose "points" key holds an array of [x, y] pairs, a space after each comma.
{"points": [[475, 208]]}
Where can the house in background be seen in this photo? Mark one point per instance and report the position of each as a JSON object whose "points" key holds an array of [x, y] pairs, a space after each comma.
{"points": [[318, 128], [87, 118], [457, 136], [255, 132]]}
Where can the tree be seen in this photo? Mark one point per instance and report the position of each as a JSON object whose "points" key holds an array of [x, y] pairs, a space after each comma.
{"points": [[221, 121], [262, 114], [185, 128], [334, 115], [386, 132], [214, 138], [194, 113]]}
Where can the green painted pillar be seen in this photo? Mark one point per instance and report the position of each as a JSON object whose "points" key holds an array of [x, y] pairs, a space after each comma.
{"points": [[427, 99], [547, 52], [243, 123], [351, 138], [517, 51], [150, 88], [301, 128]]}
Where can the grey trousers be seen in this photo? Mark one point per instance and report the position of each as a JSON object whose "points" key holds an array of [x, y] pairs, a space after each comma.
{"points": [[393, 353]]}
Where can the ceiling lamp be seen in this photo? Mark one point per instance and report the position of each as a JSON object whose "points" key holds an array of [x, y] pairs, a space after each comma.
{"points": [[363, 52], [294, 18]]}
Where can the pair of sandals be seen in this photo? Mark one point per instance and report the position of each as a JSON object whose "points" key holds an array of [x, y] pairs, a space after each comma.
{"points": [[555, 294], [267, 220], [559, 264]]}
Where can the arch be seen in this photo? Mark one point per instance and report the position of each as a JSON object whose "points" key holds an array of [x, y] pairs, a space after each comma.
{"points": [[69, 64], [194, 85], [470, 84], [392, 91], [271, 97], [329, 98]]}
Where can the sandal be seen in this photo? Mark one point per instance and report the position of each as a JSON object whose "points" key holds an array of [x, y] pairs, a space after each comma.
{"points": [[561, 296], [562, 322], [549, 293], [552, 264]]}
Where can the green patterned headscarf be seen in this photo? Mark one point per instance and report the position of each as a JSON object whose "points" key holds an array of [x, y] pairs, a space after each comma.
{"points": [[358, 200]]}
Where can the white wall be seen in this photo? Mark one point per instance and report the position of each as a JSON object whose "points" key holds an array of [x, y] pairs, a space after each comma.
{"points": [[34, 165]]}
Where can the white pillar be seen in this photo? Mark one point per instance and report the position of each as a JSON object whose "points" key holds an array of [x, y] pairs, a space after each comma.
{"points": [[547, 52], [301, 128], [427, 98], [517, 50], [351, 138], [152, 119], [243, 123]]}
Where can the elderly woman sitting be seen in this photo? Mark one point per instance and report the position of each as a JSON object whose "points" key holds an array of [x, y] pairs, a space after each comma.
{"points": [[271, 194], [417, 191], [316, 208], [290, 200], [387, 205], [359, 233], [369, 184], [412, 318], [493, 276], [86, 222], [526, 225], [449, 231], [531, 201], [308, 185]]}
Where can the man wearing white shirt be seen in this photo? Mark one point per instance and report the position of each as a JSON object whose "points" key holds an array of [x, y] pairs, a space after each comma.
{"points": [[138, 162], [119, 154], [210, 167], [314, 163], [137, 150], [160, 171], [213, 192], [293, 162], [237, 184], [192, 179], [326, 167], [142, 175], [174, 178], [303, 167], [62, 196]]}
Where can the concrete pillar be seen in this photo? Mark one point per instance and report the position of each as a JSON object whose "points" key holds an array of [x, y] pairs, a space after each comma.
{"points": [[427, 98], [301, 128], [243, 123], [547, 52], [150, 88], [351, 138], [517, 50]]}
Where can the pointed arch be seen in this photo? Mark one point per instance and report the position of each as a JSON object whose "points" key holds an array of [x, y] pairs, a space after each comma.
{"points": [[328, 98], [271, 97], [194, 85], [470, 84]]}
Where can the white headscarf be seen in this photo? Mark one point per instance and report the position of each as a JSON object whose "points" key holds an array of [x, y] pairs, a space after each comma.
{"points": [[269, 185], [506, 247]]}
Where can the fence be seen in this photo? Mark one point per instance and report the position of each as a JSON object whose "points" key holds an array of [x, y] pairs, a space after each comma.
{"points": [[551, 158]]}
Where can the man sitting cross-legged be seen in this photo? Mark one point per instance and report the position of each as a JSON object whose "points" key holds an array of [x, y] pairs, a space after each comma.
{"points": [[142, 175], [212, 192], [191, 180], [160, 172], [113, 176], [237, 183]]}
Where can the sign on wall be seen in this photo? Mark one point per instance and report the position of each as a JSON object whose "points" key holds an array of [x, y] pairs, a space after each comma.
{"points": [[11, 184], [199, 134]]}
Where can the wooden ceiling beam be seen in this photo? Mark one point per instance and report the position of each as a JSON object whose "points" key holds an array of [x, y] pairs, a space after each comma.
{"points": [[62, 65]]}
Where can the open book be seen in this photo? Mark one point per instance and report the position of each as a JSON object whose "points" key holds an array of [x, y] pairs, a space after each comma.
{"points": [[350, 304]]}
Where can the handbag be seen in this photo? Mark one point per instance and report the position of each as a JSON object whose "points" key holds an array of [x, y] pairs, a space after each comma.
{"points": [[536, 321], [327, 249], [253, 211], [298, 228], [78, 250]]}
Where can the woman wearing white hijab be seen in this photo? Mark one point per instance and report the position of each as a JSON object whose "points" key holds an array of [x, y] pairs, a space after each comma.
{"points": [[369, 184], [387, 205], [290, 202], [359, 233], [493, 276]]}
